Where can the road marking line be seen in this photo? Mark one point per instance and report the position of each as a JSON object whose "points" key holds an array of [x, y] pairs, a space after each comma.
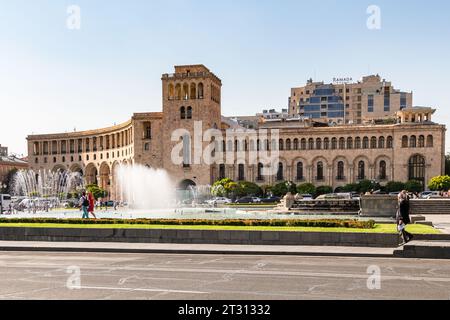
{"points": [[141, 289]]}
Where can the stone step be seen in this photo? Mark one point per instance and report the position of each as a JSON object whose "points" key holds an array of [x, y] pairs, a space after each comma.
{"points": [[415, 219], [425, 223], [425, 250]]}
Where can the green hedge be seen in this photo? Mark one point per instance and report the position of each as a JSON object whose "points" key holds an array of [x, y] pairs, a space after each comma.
{"points": [[325, 223]]}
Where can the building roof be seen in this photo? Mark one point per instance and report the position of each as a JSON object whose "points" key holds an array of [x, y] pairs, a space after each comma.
{"points": [[12, 160]]}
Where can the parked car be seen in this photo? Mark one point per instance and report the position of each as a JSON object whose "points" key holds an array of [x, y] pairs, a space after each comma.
{"points": [[429, 194], [307, 196], [272, 199], [218, 200], [248, 200], [394, 193]]}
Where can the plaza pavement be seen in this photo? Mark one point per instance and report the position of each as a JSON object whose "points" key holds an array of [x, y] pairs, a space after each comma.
{"points": [[53, 275]]}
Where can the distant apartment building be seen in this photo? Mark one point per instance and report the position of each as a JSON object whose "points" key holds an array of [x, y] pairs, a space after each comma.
{"points": [[3, 151], [347, 102], [8, 163]]}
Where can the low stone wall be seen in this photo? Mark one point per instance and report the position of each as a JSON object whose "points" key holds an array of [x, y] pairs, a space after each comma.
{"points": [[200, 236], [379, 206]]}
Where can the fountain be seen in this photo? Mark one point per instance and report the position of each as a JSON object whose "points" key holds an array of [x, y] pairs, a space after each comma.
{"points": [[46, 188], [145, 188]]}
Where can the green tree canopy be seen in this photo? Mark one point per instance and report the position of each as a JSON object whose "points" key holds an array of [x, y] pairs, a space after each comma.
{"points": [[440, 183], [306, 188], [395, 186], [323, 190], [97, 192], [414, 186], [283, 188]]}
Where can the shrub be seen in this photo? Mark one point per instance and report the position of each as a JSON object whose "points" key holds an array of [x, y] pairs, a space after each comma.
{"points": [[249, 189], [323, 190], [440, 183], [395, 186], [367, 185], [352, 187], [306, 188], [325, 223], [414, 186], [283, 188]]}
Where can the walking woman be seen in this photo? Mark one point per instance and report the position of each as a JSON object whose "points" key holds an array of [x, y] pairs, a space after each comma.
{"points": [[91, 204], [84, 205], [403, 218]]}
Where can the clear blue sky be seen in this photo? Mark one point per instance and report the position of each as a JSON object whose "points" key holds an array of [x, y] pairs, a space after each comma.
{"points": [[53, 79]]}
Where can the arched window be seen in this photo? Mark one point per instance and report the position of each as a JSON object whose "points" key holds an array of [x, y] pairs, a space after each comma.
{"points": [[178, 93], [430, 141], [319, 176], [241, 175], [413, 142], [221, 171], [193, 94], [200, 90], [266, 144], [260, 172], [326, 144], [349, 143], [303, 144], [382, 170], [333, 143], [288, 144], [358, 143], [318, 144], [280, 176], [405, 142], [182, 113], [295, 144], [258, 145], [281, 144], [171, 91], [230, 146], [365, 143], [361, 170], [311, 144], [300, 176], [340, 171], [341, 143], [390, 142], [416, 168], [185, 91], [381, 143], [189, 113], [274, 144], [373, 142], [421, 141]]}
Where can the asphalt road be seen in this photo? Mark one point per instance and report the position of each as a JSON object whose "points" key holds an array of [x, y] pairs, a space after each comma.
{"points": [[38, 275]]}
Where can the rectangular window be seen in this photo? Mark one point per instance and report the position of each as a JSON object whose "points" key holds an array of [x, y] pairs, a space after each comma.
{"points": [[403, 101], [387, 99], [370, 103]]}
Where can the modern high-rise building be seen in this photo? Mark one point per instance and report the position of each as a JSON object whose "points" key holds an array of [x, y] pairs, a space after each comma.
{"points": [[348, 102]]}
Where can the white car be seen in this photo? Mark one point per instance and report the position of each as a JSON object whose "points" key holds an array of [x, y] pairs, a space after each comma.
{"points": [[219, 200]]}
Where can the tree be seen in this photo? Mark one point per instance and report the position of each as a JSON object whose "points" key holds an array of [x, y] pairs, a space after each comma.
{"points": [[225, 187], [414, 186], [323, 190], [395, 186], [96, 191], [368, 185], [440, 183], [249, 189], [283, 188], [9, 182], [352, 187], [306, 188]]}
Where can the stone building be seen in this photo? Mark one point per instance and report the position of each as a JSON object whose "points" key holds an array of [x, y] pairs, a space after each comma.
{"points": [[177, 139], [9, 163]]}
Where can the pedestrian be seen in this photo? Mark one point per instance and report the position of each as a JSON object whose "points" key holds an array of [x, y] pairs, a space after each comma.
{"points": [[91, 204], [403, 218], [84, 205]]}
